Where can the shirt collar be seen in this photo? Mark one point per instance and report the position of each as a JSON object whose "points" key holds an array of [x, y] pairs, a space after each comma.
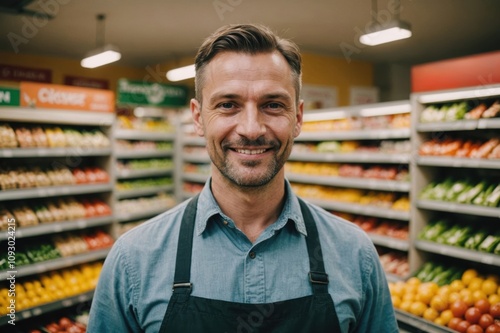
{"points": [[208, 207]]}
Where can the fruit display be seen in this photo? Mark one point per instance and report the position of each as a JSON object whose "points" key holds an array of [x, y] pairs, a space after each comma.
{"points": [[378, 226], [142, 146], [464, 148], [124, 185], [387, 200], [463, 300], [349, 146], [197, 168], [144, 124], [51, 286], [459, 111], [359, 123], [29, 177], [52, 210], [144, 164], [394, 262], [192, 188], [349, 170], [63, 325], [463, 191], [50, 137], [463, 235], [137, 205]]}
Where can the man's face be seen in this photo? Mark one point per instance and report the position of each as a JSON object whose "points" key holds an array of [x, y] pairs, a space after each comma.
{"points": [[249, 115]]}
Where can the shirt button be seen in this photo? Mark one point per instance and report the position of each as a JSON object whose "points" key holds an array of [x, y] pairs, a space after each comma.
{"points": [[252, 255]]}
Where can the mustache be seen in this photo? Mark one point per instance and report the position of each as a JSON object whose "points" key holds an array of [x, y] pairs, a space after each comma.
{"points": [[245, 142]]}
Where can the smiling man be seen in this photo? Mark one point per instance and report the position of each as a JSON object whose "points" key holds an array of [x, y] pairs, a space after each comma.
{"points": [[246, 254]]}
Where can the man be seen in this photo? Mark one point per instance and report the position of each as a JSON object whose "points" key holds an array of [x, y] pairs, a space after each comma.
{"points": [[246, 255]]}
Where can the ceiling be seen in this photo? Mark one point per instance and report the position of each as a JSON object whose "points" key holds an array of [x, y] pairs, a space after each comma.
{"points": [[154, 31]]}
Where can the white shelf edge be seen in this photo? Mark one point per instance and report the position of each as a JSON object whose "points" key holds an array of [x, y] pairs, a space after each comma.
{"points": [[196, 158], [457, 162], [193, 141], [53, 152], [126, 134], [195, 177], [390, 242], [458, 252], [42, 192], [365, 134], [459, 208], [55, 116], [360, 157], [459, 125], [143, 153]]}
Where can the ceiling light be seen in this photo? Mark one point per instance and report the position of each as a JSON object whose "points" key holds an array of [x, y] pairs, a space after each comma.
{"points": [[102, 55], [181, 73], [393, 30]]}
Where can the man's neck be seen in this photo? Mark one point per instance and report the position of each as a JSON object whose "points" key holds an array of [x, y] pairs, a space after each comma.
{"points": [[252, 210]]}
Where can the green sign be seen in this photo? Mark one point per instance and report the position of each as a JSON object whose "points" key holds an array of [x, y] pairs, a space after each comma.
{"points": [[9, 96], [151, 94]]}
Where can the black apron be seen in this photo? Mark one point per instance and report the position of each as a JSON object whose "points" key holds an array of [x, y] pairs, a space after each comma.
{"points": [[191, 314]]}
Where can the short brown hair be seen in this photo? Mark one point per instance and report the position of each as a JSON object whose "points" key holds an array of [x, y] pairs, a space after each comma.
{"points": [[251, 39]]}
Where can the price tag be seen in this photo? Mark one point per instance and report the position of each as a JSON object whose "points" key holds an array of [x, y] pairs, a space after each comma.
{"points": [[26, 314], [37, 311]]}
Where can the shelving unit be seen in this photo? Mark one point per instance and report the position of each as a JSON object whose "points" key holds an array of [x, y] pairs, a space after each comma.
{"points": [[353, 124], [54, 156]]}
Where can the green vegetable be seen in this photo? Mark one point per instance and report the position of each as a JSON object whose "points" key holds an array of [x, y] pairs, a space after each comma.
{"points": [[481, 199], [490, 243], [456, 189], [432, 231], [443, 237], [493, 198], [469, 195], [473, 242], [459, 237]]}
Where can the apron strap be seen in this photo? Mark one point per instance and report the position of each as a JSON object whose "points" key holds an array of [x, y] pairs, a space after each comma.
{"points": [[182, 275], [317, 274]]}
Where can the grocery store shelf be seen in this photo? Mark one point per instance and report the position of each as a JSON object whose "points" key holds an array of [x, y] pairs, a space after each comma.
{"points": [[363, 183], [195, 177], [359, 157], [50, 228], [126, 134], [367, 134], [390, 242], [125, 174], [362, 209], [420, 323], [457, 162], [458, 252], [393, 278], [54, 152], [123, 194], [459, 208], [49, 307], [459, 125], [141, 214], [193, 141], [196, 157], [143, 153], [53, 116], [42, 192], [58, 263]]}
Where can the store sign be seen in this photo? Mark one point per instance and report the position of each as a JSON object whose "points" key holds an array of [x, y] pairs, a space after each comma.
{"points": [[17, 73], [151, 94], [54, 96], [9, 96], [87, 82]]}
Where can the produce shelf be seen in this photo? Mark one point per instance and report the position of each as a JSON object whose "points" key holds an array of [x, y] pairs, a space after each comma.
{"points": [[459, 208], [391, 242], [42, 192], [193, 141], [195, 177], [362, 209], [397, 133], [143, 153], [196, 158], [142, 214], [58, 263], [457, 162], [53, 116], [459, 125], [126, 134], [50, 228], [125, 174], [457, 252], [49, 307], [54, 152], [420, 323], [350, 157], [362, 183], [123, 194]]}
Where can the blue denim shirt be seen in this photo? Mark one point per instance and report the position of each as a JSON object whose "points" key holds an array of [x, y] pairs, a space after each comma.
{"points": [[136, 281]]}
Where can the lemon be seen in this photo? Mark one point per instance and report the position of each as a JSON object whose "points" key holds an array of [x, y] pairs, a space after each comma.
{"points": [[446, 316], [468, 275], [475, 284], [489, 287], [418, 308], [457, 285], [430, 314]]}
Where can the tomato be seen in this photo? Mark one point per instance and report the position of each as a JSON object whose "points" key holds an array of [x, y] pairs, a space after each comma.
{"points": [[454, 322], [462, 326], [495, 310], [483, 305], [474, 329], [472, 315], [486, 320], [458, 308], [493, 329]]}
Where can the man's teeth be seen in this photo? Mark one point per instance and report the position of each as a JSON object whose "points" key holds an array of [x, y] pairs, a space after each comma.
{"points": [[250, 152]]}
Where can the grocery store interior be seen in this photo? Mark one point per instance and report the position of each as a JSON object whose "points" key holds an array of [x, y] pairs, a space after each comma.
{"points": [[400, 138]]}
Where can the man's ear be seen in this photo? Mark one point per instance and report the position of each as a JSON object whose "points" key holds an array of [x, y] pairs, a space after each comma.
{"points": [[299, 119], [196, 114]]}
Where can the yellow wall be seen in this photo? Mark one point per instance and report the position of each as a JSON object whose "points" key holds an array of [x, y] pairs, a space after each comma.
{"points": [[317, 70]]}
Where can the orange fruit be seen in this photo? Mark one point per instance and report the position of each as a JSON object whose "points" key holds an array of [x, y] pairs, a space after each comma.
{"points": [[489, 287], [457, 285], [430, 314], [446, 315], [418, 308], [475, 284], [439, 303], [468, 275]]}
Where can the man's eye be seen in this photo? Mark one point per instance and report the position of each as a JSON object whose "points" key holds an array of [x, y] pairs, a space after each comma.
{"points": [[226, 105], [274, 106]]}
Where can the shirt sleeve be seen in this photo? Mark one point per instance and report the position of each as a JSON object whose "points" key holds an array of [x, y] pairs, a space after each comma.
{"points": [[112, 308], [378, 313]]}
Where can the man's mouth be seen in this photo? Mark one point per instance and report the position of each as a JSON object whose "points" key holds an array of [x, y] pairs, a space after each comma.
{"points": [[250, 151]]}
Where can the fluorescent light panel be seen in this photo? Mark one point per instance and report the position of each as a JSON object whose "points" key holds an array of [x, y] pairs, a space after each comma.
{"points": [[101, 56], [393, 31], [181, 73]]}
